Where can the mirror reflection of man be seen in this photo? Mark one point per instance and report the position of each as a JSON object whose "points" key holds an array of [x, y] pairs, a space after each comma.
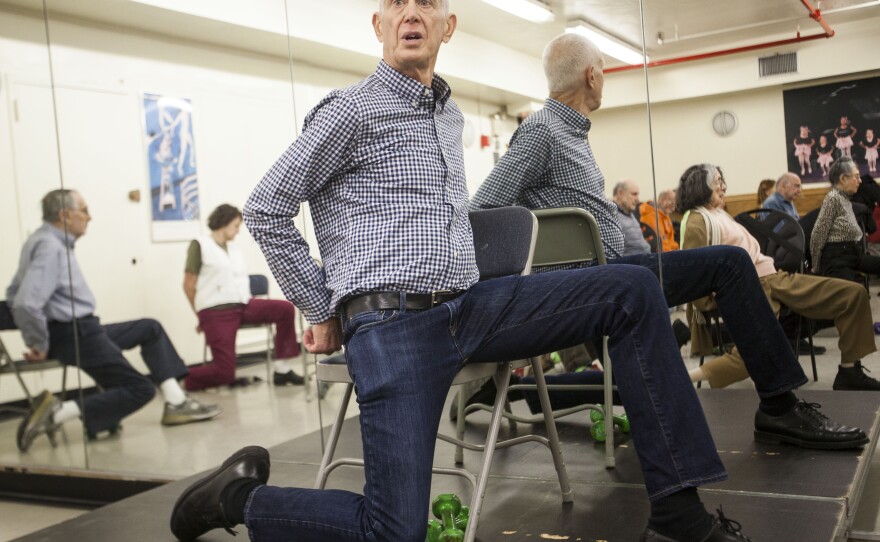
{"points": [[626, 196], [50, 301], [788, 189]]}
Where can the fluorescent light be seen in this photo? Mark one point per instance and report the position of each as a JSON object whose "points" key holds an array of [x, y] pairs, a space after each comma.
{"points": [[608, 45], [531, 10]]}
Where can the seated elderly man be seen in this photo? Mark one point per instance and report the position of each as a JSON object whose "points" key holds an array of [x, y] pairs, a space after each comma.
{"points": [[706, 223], [626, 197], [48, 295], [657, 216]]}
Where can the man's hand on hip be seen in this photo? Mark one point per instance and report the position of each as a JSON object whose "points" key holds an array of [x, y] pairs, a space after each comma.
{"points": [[323, 338]]}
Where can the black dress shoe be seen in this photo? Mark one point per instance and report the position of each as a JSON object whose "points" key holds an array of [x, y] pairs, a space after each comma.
{"points": [[200, 509], [723, 530], [806, 427], [855, 378], [803, 348], [290, 377]]}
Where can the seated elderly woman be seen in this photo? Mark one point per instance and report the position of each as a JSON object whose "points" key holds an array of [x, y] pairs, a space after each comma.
{"points": [[701, 200], [217, 286], [836, 243]]}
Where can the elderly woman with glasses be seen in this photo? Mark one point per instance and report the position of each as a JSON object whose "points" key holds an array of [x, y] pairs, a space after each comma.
{"points": [[837, 240], [701, 192]]}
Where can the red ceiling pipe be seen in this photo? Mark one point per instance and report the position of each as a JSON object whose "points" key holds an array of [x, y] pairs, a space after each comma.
{"points": [[814, 14]]}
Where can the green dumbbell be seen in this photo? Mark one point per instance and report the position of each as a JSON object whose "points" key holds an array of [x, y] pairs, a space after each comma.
{"points": [[453, 519], [597, 430]]}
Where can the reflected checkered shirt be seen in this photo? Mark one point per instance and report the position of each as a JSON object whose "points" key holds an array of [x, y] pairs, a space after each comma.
{"points": [[550, 164], [382, 168]]}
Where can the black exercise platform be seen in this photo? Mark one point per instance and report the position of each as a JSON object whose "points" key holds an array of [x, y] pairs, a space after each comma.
{"points": [[776, 492]]}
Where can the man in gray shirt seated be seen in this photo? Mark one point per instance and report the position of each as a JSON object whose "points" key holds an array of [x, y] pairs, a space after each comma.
{"points": [[626, 196], [788, 187], [54, 308]]}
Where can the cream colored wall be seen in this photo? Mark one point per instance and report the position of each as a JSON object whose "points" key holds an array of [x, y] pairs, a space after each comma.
{"points": [[683, 136]]}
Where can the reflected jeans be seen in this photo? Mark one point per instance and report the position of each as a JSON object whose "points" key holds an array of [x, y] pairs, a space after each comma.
{"points": [[729, 272], [403, 363]]}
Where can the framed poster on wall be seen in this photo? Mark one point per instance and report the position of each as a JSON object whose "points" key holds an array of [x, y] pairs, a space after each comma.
{"points": [[827, 121], [171, 160]]}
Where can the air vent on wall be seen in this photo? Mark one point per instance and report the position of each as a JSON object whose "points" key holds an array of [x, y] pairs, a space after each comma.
{"points": [[777, 64]]}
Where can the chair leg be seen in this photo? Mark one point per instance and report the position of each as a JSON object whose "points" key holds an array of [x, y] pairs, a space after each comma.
{"points": [[269, 338], [552, 434], [810, 341], [609, 408], [459, 423], [333, 439], [503, 381]]}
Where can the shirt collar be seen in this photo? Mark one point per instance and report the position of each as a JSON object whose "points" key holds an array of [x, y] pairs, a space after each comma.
{"points": [[59, 234], [413, 91], [569, 116]]}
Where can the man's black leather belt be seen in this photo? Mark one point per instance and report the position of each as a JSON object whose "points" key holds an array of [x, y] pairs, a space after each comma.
{"points": [[392, 301]]}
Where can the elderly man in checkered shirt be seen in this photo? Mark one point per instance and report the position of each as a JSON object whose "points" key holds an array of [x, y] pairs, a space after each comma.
{"points": [[381, 165]]}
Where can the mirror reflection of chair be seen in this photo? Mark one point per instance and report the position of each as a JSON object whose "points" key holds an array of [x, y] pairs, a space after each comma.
{"points": [[781, 237], [566, 236], [10, 365], [504, 241]]}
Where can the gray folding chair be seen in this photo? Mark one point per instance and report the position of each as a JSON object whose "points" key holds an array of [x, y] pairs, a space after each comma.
{"points": [[10, 365], [566, 236], [504, 241]]}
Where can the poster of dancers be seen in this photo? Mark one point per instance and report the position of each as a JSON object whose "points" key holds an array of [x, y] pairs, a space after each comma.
{"points": [[171, 158]]}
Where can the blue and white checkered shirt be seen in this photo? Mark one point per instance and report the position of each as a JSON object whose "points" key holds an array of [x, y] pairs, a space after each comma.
{"points": [[382, 168], [550, 164]]}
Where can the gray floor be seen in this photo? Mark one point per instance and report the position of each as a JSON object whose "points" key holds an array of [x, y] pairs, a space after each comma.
{"points": [[267, 416]]}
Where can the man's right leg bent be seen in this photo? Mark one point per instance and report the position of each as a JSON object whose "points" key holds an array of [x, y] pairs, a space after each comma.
{"points": [[402, 364], [125, 389]]}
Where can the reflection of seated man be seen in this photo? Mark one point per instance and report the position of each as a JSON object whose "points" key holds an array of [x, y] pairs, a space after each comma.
{"points": [[626, 197], [701, 195], [788, 188], [550, 164], [218, 288], [45, 304], [650, 213]]}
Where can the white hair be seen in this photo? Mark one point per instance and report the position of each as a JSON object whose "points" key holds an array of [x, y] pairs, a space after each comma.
{"points": [[566, 58], [444, 5]]}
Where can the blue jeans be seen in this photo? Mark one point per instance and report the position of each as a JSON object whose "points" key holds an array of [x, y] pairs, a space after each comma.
{"points": [[125, 389], [403, 364], [729, 272]]}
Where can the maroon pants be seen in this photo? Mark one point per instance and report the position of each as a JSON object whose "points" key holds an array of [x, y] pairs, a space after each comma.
{"points": [[220, 328]]}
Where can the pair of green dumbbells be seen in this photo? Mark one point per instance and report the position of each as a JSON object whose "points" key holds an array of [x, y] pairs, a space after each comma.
{"points": [[597, 430], [451, 522]]}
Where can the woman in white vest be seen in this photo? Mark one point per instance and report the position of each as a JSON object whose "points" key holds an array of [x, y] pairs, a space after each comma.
{"points": [[218, 288]]}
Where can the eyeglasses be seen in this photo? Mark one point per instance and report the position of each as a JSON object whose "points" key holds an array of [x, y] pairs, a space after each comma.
{"points": [[84, 210]]}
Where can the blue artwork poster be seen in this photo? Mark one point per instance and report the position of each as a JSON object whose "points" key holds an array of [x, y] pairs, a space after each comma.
{"points": [[171, 156]]}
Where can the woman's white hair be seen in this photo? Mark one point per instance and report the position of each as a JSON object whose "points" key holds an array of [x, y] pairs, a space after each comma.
{"points": [[444, 5], [566, 58]]}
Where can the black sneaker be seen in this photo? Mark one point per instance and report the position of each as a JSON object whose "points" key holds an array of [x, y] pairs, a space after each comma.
{"points": [[723, 530], [290, 377], [855, 378]]}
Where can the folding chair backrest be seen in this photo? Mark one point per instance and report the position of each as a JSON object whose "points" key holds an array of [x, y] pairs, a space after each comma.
{"points": [[504, 241], [567, 235], [779, 235], [259, 285]]}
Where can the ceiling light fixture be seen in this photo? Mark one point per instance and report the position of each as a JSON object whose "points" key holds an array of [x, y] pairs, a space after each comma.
{"points": [[530, 10], [607, 44]]}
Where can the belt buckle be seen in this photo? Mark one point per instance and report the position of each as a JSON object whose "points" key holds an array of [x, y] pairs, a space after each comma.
{"points": [[436, 293]]}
